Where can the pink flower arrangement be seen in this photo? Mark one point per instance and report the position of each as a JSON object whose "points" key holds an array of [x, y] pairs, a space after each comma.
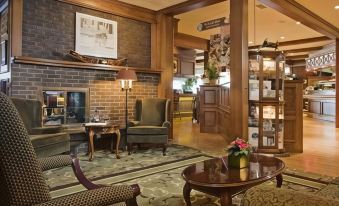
{"points": [[238, 146]]}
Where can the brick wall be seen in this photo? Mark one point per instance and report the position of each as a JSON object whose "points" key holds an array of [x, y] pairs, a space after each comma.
{"points": [[49, 32], [28, 81]]}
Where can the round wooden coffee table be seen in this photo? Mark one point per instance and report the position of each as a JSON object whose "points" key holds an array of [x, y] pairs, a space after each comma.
{"points": [[214, 177]]}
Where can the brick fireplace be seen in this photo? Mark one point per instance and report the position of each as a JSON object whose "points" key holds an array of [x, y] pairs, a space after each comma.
{"points": [[28, 81]]}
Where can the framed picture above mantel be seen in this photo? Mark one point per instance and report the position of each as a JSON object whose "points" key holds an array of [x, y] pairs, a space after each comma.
{"points": [[96, 36]]}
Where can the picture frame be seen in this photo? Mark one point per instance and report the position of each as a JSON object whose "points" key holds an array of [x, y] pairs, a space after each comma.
{"points": [[96, 36]]}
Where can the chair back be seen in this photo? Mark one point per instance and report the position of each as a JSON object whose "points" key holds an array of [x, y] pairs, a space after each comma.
{"points": [[152, 112], [21, 178], [30, 112]]}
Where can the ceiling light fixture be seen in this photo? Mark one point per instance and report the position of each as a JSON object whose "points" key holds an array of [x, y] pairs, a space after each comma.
{"points": [[336, 7], [250, 42], [282, 37], [298, 22]]}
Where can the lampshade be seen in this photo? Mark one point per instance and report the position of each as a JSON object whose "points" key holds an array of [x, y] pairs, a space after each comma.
{"points": [[126, 74]]}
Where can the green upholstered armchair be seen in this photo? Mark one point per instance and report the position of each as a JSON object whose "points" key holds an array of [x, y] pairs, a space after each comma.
{"points": [[151, 123], [21, 178], [47, 141]]}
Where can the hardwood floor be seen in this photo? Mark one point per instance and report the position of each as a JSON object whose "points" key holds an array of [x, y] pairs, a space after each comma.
{"points": [[321, 145]]}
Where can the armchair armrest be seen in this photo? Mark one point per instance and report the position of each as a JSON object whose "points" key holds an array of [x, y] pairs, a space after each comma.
{"points": [[166, 124], [97, 197], [133, 123], [54, 162], [266, 195], [46, 130]]}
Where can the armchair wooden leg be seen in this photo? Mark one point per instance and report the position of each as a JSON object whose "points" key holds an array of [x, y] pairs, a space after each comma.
{"points": [[164, 148], [129, 147], [132, 202]]}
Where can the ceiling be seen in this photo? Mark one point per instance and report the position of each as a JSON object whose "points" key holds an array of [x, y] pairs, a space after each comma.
{"points": [[323, 8], [153, 4]]}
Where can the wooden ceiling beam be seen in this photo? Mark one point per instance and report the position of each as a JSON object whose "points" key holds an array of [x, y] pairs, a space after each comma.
{"points": [[187, 6], [297, 57], [298, 41], [187, 41], [116, 8], [298, 12], [303, 49]]}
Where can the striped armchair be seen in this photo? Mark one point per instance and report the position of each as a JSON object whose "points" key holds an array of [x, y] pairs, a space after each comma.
{"points": [[21, 177]]}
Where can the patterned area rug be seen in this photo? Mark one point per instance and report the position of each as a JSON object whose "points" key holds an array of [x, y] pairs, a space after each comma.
{"points": [[159, 177]]}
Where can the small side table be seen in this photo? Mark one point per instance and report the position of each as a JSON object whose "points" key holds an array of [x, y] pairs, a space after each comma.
{"points": [[102, 128]]}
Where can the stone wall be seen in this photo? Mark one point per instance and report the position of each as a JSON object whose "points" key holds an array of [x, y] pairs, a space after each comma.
{"points": [[28, 81], [49, 32]]}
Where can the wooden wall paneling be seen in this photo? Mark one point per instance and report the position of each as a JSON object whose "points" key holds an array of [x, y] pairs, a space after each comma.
{"points": [[117, 8], [296, 11], [15, 29], [165, 37], [154, 47], [293, 116], [192, 42], [239, 67], [337, 83], [209, 113]]}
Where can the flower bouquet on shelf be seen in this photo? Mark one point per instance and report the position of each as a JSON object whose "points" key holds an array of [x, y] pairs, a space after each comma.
{"points": [[238, 153]]}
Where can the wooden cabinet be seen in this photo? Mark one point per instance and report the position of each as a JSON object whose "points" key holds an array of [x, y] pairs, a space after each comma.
{"points": [[214, 109], [293, 116]]}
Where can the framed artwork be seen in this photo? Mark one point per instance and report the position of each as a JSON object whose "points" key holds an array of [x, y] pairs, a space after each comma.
{"points": [[96, 36]]}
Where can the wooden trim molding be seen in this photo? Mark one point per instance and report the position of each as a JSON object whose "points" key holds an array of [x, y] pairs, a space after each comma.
{"points": [[298, 12], [296, 57], [298, 41], [116, 8], [15, 26], [188, 41], [80, 65], [337, 83], [187, 6]]}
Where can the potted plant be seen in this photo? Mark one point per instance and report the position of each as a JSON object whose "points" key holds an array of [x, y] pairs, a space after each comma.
{"points": [[212, 74], [189, 83], [238, 153]]}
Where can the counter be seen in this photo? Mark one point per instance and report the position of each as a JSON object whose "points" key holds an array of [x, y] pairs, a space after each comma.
{"points": [[320, 106]]}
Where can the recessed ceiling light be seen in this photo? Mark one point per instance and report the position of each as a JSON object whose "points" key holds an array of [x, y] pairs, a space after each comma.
{"points": [[250, 42], [298, 22], [336, 7], [282, 37]]}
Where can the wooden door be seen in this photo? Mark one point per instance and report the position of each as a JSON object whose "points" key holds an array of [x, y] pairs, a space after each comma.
{"points": [[293, 116]]}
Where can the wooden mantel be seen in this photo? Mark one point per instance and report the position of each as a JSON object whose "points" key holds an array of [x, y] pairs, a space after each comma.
{"points": [[79, 65]]}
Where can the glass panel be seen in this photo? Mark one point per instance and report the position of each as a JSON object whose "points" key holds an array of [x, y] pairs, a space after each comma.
{"points": [[269, 77], [281, 128], [76, 107], [253, 77], [53, 107], [253, 125], [269, 126]]}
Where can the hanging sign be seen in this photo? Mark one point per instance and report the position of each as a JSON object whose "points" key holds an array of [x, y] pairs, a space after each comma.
{"points": [[213, 24]]}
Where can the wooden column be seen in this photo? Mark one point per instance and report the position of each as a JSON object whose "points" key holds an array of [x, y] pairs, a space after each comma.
{"points": [[15, 31], [165, 42], [337, 83], [239, 68]]}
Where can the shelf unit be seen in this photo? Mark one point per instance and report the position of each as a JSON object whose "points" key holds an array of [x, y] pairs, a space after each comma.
{"points": [[266, 101]]}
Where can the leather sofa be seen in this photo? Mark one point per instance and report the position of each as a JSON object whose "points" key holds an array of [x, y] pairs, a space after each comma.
{"points": [[47, 141]]}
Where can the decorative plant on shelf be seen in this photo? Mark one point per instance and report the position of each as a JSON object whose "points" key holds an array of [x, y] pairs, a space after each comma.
{"points": [[238, 153], [189, 83], [212, 73]]}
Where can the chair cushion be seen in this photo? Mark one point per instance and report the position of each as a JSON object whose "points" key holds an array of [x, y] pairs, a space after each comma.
{"points": [[147, 130], [153, 112], [44, 140]]}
